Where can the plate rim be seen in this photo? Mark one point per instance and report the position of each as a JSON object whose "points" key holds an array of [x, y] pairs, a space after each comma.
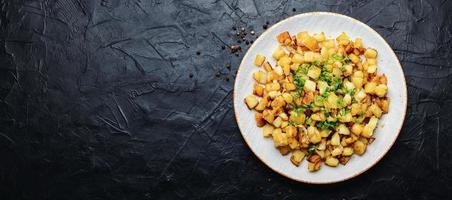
{"points": [[404, 103]]}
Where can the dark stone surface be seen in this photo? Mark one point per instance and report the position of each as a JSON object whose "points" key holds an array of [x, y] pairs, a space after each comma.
{"points": [[110, 100]]}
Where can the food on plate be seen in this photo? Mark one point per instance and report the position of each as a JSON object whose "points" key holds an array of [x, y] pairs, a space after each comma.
{"points": [[319, 98]]}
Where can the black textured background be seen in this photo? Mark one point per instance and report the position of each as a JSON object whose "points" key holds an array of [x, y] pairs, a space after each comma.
{"points": [[97, 100]]}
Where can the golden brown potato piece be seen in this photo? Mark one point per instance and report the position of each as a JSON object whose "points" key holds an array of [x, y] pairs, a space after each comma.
{"points": [[267, 130], [282, 37], [268, 67], [251, 101], [359, 147], [312, 167], [259, 119], [297, 157], [284, 150], [269, 116], [332, 161], [344, 159], [258, 90], [259, 60]]}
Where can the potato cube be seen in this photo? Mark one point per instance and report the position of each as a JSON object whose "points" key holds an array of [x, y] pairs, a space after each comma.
{"points": [[376, 111], [357, 79], [297, 117], [371, 61], [383, 104], [314, 72], [335, 139], [282, 37], [289, 87], [348, 151], [355, 109], [358, 43], [331, 101], [312, 167], [284, 124], [284, 61], [359, 96], [320, 153], [343, 39], [347, 99], [314, 135], [349, 85], [354, 58], [258, 90], [251, 101], [272, 86], [291, 131], [278, 102], [370, 127], [297, 157], [370, 87], [300, 37], [283, 116], [268, 67], [309, 86], [267, 130], [279, 138], [272, 76], [279, 53], [324, 133], [287, 97], [346, 118], [337, 151], [322, 85], [342, 129], [269, 116], [262, 104], [348, 69], [274, 94], [311, 43], [260, 77], [322, 145], [381, 90], [332, 161], [359, 147], [318, 117], [284, 150], [286, 70], [259, 119], [309, 56], [278, 70], [357, 129], [293, 143], [371, 69], [277, 122], [370, 53], [297, 58], [259, 60]]}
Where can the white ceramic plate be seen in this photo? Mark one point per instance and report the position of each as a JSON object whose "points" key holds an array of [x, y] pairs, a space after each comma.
{"points": [[332, 25]]}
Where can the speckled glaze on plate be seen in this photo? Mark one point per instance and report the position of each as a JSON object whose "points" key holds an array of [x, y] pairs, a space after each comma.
{"points": [[388, 128]]}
